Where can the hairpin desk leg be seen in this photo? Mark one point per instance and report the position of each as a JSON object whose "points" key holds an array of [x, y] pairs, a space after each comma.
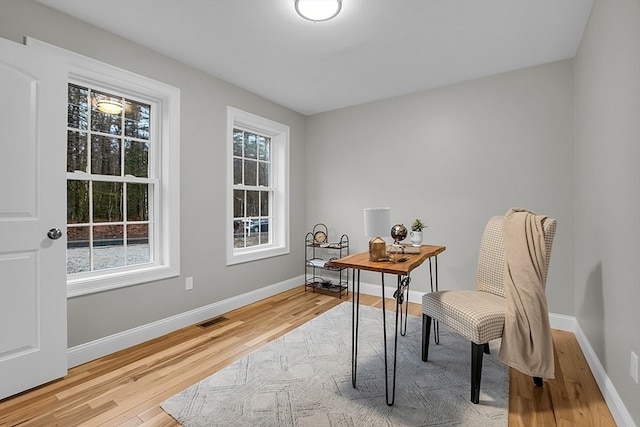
{"points": [[436, 326], [390, 400], [355, 315]]}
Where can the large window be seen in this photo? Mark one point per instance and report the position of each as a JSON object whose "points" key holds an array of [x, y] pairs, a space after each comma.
{"points": [[111, 187], [258, 187], [123, 190]]}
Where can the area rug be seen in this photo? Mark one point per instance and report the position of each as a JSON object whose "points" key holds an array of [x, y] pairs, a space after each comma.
{"points": [[304, 379]]}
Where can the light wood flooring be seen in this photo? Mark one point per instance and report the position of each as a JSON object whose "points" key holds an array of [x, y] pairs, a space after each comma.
{"points": [[126, 388]]}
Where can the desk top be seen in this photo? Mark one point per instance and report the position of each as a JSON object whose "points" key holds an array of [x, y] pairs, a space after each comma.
{"points": [[361, 261]]}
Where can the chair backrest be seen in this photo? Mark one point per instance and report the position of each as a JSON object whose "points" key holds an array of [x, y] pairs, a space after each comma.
{"points": [[490, 275]]}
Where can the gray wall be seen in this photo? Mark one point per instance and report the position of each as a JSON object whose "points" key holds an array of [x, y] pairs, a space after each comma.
{"points": [[607, 244], [453, 156], [204, 100]]}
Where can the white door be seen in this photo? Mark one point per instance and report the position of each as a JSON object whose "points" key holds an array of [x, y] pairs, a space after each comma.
{"points": [[33, 304]]}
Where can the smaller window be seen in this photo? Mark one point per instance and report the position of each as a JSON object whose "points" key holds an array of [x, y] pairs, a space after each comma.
{"points": [[252, 190], [258, 196]]}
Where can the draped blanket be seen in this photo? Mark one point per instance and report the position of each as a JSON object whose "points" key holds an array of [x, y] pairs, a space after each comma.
{"points": [[526, 341]]}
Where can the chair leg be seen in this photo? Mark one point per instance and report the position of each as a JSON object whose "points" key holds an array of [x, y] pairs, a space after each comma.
{"points": [[487, 350], [426, 333], [476, 370]]}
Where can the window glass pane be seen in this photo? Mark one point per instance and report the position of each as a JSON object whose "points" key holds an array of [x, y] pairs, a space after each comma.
{"points": [[78, 253], [239, 238], [253, 231], [237, 142], [77, 202], [136, 120], [108, 246], [263, 148], [76, 151], [264, 231], [263, 174], [105, 155], [107, 201], [250, 172], [104, 122], [136, 158], [137, 202], [238, 227], [138, 251], [238, 203], [253, 203], [237, 171], [77, 107], [264, 203], [250, 145]]}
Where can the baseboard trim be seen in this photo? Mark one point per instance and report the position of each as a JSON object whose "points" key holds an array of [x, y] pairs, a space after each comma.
{"points": [[101, 347], [618, 410]]}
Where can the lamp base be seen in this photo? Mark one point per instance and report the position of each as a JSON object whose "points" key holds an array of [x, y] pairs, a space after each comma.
{"points": [[377, 249]]}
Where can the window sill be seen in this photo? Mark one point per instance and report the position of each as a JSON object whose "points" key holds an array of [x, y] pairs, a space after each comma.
{"points": [[113, 280], [256, 254]]}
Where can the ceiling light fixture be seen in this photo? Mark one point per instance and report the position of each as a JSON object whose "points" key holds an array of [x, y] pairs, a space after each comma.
{"points": [[318, 10], [109, 106]]}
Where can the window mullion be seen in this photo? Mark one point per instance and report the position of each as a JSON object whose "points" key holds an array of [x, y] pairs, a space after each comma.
{"points": [[91, 254]]}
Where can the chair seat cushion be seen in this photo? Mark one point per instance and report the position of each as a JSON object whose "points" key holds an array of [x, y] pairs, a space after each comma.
{"points": [[478, 316]]}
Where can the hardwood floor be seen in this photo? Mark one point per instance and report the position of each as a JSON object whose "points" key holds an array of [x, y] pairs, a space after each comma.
{"points": [[126, 388]]}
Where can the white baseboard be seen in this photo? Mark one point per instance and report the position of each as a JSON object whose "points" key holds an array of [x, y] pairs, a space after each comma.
{"points": [[101, 347], [104, 346], [621, 415]]}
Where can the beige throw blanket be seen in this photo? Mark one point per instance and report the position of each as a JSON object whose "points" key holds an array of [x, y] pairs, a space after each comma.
{"points": [[526, 341]]}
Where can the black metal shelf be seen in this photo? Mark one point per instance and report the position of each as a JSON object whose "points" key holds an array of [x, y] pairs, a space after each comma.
{"points": [[335, 280]]}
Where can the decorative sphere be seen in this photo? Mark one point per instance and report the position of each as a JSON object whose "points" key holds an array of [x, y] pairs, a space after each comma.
{"points": [[398, 232]]}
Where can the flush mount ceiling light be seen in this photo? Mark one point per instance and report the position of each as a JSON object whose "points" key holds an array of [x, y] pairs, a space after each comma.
{"points": [[109, 106], [318, 10]]}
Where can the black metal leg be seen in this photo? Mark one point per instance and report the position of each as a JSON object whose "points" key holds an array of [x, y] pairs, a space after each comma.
{"points": [[355, 316], [390, 400], [426, 331], [399, 295], [477, 350], [436, 325]]}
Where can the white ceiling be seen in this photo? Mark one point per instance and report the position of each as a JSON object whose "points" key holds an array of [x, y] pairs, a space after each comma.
{"points": [[374, 49]]}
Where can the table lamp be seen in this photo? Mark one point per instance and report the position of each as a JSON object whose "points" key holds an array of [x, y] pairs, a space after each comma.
{"points": [[377, 223]]}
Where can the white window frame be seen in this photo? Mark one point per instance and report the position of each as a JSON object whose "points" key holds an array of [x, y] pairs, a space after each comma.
{"points": [[165, 108], [279, 227]]}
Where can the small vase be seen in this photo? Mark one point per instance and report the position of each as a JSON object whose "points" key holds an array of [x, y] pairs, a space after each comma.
{"points": [[416, 238]]}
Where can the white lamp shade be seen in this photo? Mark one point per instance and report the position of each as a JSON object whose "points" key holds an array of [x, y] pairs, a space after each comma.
{"points": [[377, 222]]}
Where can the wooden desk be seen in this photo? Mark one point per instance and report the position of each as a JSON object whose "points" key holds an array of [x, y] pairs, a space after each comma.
{"points": [[402, 270], [361, 261]]}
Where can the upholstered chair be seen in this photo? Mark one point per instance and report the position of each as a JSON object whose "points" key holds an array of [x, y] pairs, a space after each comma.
{"points": [[479, 315]]}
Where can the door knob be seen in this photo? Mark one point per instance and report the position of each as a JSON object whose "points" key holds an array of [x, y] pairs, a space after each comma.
{"points": [[54, 233]]}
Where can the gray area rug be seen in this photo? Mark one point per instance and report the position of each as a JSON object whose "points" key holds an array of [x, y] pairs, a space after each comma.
{"points": [[304, 379]]}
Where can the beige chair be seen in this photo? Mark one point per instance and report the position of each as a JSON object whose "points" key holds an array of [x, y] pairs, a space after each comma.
{"points": [[478, 315]]}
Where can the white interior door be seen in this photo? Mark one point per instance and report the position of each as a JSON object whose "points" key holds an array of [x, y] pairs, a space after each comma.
{"points": [[33, 304]]}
